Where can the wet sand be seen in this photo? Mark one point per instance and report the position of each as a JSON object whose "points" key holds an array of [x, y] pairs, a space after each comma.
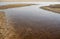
{"points": [[7, 31], [31, 22], [14, 6], [57, 10]]}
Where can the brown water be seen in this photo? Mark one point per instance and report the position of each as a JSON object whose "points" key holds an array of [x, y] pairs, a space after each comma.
{"points": [[31, 22]]}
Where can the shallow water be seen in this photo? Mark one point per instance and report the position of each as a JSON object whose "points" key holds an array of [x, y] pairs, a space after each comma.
{"points": [[41, 24]]}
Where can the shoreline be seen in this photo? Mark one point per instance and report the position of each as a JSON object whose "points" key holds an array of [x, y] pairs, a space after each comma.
{"points": [[14, 6], [56, 10]]}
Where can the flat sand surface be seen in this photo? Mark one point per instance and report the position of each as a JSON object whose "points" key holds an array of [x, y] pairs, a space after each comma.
{"points": [[57, 10], [7, 30], [14, 6]]}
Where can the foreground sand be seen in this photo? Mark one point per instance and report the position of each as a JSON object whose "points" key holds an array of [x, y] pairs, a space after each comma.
{"points": [[57, 10], [14, 5], [6, 29]]}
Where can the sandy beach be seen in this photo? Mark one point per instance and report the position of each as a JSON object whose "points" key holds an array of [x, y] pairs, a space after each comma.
{"points": [[56, 9], [14, 6]]}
